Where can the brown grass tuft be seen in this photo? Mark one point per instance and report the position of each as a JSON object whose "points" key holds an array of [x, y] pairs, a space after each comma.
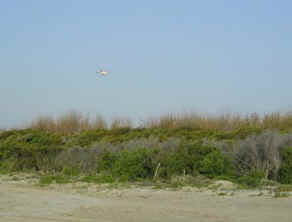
{"points": [[120, 122], [221, 122], [73, 122], [68, 123]]}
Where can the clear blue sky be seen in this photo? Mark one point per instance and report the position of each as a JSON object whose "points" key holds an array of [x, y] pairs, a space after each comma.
{"points": [[164, 56]]}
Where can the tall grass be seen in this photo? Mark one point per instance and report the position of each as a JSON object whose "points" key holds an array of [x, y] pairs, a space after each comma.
{"points": [[120, 122], [222, 122], [68, 123], [74, 122]]}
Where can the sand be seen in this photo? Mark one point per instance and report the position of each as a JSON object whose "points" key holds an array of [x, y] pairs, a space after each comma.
{"points": [[82, 203]]}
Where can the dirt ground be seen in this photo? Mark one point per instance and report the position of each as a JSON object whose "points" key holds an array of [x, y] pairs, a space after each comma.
{"points": [[82, 203]]}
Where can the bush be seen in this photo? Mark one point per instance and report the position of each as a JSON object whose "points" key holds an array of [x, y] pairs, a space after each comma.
{"points": [[285, 172], [59, 179], [29, 149], [174, 164], [261, 153], [252, 180], [73, 171], [194, 158], [84, 160], [28, 155], [87, 137], [100, 178], [132, 154], [46, 180], [215, 164], [106, 161], [134, 165], [101, 157]]}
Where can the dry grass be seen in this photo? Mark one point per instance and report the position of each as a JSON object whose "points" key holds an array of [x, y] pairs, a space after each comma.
{"points": [[69, 123], [120, 122], [73, 122], [222, 122]]}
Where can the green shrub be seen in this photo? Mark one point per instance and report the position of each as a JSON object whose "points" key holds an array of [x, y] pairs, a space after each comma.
{"points": [[252, 180], [46, 180], [59, 179], [134, 165], [285, 172], [284, 188], [62, 179], [100, 178], [42, 138], [6, 166], [6, 134], [73, 171], [174, 164], [215, 164], [194, 158], [27, 152], [106, 161], [132, 154], [281, 194], [88, 137]]}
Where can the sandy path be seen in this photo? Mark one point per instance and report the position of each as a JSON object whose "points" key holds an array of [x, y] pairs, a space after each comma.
{"points": [[31, 204]]}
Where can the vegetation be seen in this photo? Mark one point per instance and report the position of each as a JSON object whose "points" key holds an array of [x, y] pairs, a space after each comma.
{"points": [[246, 150]]}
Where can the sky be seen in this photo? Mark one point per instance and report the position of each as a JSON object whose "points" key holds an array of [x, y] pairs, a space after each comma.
{"points": [[163, 57]]}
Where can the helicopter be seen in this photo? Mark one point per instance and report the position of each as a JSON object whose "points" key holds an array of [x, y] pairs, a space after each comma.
{"points": [[102, 72]]}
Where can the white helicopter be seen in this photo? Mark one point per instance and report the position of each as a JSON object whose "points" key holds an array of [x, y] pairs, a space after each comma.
{"points": [[102, 72]]}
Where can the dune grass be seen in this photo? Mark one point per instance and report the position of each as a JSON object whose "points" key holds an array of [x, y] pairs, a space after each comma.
{"points": [[74, 122]]}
